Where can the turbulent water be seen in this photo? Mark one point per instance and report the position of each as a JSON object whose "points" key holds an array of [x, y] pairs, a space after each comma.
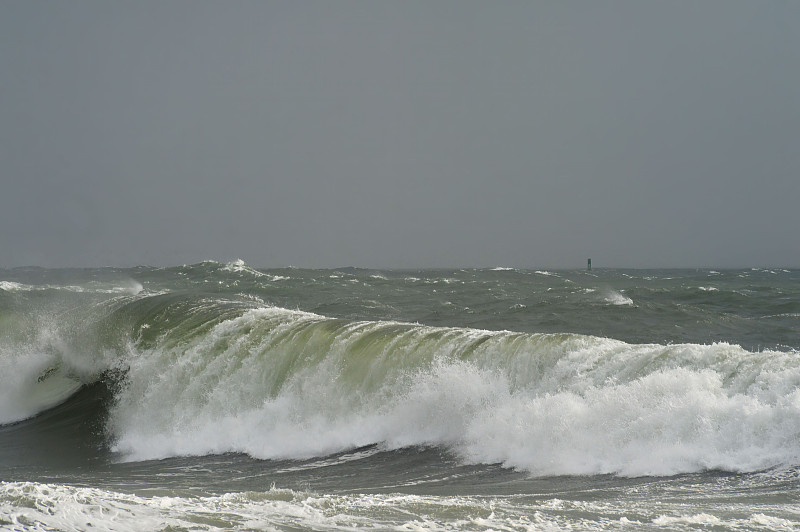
{"points": [[222, 397]]}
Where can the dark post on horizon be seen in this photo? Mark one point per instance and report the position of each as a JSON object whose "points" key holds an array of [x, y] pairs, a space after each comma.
{"points": [[589, 265]]}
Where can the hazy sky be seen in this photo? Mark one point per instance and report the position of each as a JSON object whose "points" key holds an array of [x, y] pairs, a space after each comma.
{"points": [[400, 133]]}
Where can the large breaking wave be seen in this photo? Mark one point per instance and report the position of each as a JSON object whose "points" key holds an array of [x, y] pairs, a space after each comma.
{"points": [[205, 375]]}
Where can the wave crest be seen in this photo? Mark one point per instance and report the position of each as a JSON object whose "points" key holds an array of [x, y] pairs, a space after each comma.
{"points": [[275, 383]]}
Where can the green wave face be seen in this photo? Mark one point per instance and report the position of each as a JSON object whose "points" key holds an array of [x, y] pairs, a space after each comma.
{"points": [[276, 383]]}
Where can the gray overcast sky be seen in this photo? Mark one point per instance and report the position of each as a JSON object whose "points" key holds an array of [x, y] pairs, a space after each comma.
{"points": [[400, 133]]}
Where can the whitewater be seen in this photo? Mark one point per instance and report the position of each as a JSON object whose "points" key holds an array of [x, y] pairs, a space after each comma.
{"points": [[219, 396]]}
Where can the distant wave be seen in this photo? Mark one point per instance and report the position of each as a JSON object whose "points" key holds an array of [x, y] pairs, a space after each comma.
{"points": [[131, 287], [617, 298]]}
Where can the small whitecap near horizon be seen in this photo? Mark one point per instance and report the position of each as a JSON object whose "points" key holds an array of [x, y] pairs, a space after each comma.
{"points": [[11, 286], [617, 298], [133, 287], [240, 266]]}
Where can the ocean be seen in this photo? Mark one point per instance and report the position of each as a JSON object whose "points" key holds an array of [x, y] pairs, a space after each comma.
{"points": [[219, 396]]}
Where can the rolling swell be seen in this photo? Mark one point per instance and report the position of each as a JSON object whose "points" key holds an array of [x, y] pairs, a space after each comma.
{"points": [[205, 374]]}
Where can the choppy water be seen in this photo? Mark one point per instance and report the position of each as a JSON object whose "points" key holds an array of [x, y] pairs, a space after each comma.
{"points": [[218, 396]]}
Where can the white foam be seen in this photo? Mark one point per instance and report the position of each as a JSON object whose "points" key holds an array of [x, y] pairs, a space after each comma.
{"points": [[757, 521], [130, 287], [26, 506], [666, 423], [617, 298], [697, 519], [11, 286]]}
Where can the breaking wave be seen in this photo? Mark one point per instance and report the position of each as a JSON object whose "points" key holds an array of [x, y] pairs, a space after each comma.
{"points": [[198, 376]]}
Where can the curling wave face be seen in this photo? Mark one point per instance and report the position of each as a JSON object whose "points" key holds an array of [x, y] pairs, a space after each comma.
{"points": [[275, 383]]}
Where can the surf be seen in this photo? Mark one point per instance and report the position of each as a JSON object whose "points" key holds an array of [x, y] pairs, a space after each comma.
{"points": [[275, 383]]}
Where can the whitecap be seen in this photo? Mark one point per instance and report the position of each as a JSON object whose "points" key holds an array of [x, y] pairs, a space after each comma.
{"points": [[617, 298]]}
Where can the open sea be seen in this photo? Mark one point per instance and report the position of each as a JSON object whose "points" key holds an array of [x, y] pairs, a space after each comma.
{"points": [[223, 397]]}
